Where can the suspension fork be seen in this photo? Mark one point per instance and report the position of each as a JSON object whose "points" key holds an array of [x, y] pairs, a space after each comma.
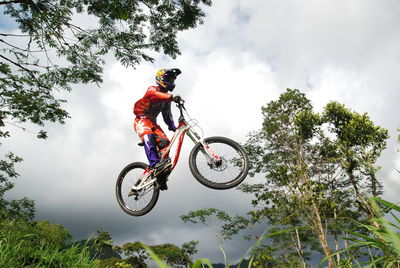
{"points": [[212, 158]]}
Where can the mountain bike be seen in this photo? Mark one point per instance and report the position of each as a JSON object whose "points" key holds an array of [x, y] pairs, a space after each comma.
{"points": [[216, 162]]}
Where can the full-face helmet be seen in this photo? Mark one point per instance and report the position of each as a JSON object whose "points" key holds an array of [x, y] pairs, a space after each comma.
{"points": [[165, 78]]}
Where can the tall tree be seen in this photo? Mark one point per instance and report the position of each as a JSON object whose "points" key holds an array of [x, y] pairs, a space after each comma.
{"points": [[315, 165]]}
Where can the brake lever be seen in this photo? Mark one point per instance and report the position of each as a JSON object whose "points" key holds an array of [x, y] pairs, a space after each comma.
{"points": [[181, 104]]}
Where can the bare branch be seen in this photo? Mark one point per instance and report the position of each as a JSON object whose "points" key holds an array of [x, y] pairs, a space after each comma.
{"points": [[18, 48], [15, 35], [11, 2]]}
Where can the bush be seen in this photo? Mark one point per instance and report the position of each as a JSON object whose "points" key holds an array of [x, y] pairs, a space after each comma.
{"points": [[39, 244]]}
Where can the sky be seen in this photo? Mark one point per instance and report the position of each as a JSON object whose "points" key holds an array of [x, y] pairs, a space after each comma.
{"points": [[245, 55]]}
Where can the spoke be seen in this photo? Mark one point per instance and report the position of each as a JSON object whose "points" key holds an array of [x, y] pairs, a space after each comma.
{"points": [[227, 171], [144, 197]]}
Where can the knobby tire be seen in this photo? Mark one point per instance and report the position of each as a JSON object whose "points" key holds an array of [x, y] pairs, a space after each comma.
{"points": [[235, 158], [126, 179]]}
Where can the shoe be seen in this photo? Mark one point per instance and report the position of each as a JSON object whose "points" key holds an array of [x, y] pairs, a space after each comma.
{"points": [[162, 183], [161, 166]]}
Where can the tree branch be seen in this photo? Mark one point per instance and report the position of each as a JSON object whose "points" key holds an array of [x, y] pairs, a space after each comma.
{"points": [[16, 35], [11, 2], [25, 69], [18, 48]]}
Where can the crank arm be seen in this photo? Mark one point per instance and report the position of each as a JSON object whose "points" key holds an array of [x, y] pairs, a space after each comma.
{"points": [[143, 186], [138, 196]]}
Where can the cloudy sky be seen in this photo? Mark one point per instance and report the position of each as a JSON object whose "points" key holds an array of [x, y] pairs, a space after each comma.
{"points": [[244, 55]]}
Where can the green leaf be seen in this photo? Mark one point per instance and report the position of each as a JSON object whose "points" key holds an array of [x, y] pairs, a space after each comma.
{"points": [[387, 204], [155, 258], [200, 263]]}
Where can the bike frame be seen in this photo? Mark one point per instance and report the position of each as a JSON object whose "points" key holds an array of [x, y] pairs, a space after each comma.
{"points": [[179, 134], [185, 128]]}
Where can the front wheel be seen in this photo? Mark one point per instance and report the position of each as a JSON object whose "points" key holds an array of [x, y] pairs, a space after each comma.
{"points": [[135, 203], [232, 166]]}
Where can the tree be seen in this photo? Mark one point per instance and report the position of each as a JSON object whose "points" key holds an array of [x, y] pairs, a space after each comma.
{"points": [[102, 245], [173, 255], [359, 144], [210, 217], [22, 209], [315, 165], [99, 246], [53, 49]]}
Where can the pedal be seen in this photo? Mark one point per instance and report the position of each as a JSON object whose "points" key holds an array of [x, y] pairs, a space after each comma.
{"points": [[162, 185], [164, 168], [162, 178]]}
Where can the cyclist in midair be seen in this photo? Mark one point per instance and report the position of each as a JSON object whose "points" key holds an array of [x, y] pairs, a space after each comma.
{"points": [[156, 100]]}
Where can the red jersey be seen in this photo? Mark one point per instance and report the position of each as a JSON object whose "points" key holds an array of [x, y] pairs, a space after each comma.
{"points": [[152, 103]]}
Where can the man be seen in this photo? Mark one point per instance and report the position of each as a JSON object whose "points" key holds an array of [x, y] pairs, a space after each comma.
{"points": [[156, 100]]}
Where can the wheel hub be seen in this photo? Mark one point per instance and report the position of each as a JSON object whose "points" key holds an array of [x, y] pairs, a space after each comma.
{"points": [[220, 165]]}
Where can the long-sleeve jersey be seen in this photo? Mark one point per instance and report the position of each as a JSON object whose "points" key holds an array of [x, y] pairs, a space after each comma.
{"points": [[152, 103]]}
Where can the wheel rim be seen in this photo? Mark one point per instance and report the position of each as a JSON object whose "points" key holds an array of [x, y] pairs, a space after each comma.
{"points": [[131, 200], [231, 167]]}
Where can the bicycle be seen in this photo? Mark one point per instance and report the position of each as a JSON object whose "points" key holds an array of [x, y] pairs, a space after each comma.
{"points": [[216, 162]]}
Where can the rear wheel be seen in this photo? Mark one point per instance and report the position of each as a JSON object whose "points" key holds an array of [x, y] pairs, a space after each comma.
{"points": [[231, 169], [135, 203]]}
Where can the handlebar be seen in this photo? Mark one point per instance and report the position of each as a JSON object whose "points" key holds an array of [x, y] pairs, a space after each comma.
{"points": [[181, 105]]}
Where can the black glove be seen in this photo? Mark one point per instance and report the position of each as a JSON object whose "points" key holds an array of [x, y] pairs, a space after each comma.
{"points": [[172, 127], [176, 98]]}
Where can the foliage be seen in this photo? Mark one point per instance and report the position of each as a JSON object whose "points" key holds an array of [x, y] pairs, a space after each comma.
{"points": [[318, 168], [16, 209], [197, 264], [205, 216], [175, 256], [137, 253], [39, 244], [102, 244], [209, 217], [315, 165], [113, 262], [99, 246], [382, 241], [43, 244]]}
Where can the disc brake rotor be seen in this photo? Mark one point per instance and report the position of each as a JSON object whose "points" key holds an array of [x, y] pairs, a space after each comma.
{"points": [[221, 165]]}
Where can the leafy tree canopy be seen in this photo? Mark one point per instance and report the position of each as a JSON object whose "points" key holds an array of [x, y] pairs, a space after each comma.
{"points": [[172, 254], [318, 169], [53, 49]]}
